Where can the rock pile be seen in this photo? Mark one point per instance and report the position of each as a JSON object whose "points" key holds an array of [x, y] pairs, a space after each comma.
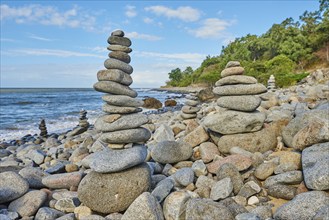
{"points": [[43, 128], [83, 120], [190, 109], [119, 175], [271, 83]]}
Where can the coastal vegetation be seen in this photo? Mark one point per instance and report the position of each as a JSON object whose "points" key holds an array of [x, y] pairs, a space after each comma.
{"points": [[289, 51]]}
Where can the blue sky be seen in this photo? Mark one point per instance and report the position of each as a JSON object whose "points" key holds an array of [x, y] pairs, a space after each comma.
{"points": [[63, 43]]}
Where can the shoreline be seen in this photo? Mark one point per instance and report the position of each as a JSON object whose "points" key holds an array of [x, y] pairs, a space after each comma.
{"points": [[184, 90]]}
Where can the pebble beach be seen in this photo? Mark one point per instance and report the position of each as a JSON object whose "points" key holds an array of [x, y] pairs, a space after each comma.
{"points": [[252, 151]]}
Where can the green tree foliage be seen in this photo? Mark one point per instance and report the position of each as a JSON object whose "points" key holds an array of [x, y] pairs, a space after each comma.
{"points": [[285, 50]]}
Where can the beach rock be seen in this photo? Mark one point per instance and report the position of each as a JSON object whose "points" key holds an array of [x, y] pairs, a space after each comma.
{"points": [[36, 155], [114, 75], [135, 135], [188, 116], [282, 191], [264, 170], [118, 33], [245, 103], [121, 48], [234, 70], [63, 180], [109, 161], [171, 152], [124, 57], [241, 89], [116, 40], [34, 176], [239, 161], [322, 214], [163, 189], [303, 206], [174, 206], [28, 204], [117, 122], [170, 103], [315, 166], [192, 103], [122, 100], [221, 189], [46, 213], [152, 103], [249, 189], [232, 64], [67, 204], [106, 193], [204, 209], [205, 94], [114, 88], [112, 109], [236, 79], [199, 168], [144, 207], [208, 151], [10, 191], [117, 64], [163, 133], [196, 137], [203, 182], [190, 109], [291, 177], [230, 170], [184, 176], [232, 122], [247, 216]]}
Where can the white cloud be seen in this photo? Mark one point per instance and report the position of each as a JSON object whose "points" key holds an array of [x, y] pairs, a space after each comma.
{"points": [[33, 36], [48, 15], [49, 52], [131, 11], [147, 37], [7, 40], [98, 49], [148, 20], [185, 13], [194, 58], [212, 28]]}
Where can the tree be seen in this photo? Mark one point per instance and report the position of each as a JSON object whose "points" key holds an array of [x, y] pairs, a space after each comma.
{"points": [[175, 75]]}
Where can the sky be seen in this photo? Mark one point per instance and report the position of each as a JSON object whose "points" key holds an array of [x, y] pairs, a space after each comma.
{"points": [[62, 44]]}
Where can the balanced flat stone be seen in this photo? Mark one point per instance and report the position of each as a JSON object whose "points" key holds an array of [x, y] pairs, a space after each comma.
{"points": [[114, 75], [118, 64], [114, 192], [110, 161], [236, 79], [122, 100], [190, 109], [246, 103], [119, 48], [242, 89], [171, 151], [116, 40], [114, 88], [191, 102], [234, 122], [238, 70], [112, 109], [135, 135], [188, 116], [118, 33], [232, 64], [105, 123], [124, 57]]}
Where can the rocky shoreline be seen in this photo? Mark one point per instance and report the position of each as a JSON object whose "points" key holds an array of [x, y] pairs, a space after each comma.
{"points": [[266, 159]]}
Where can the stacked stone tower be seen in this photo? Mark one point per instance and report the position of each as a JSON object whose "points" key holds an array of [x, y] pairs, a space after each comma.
{"points": [[119, 172], [271, 83], [238, 95], [83, 120], [190, 109], [43, 128]]}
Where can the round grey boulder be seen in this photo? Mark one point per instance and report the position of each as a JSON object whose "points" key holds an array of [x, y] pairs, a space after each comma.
{"points": [[34, 176], [12, 186], [171, 151], [118, 33], [246, 103]]}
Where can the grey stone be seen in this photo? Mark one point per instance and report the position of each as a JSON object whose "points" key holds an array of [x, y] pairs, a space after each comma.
{"points": [[122, 100], [106, 193], [163, 189], [57, 168], [34, 176], [242, 89], [134, 135], [236, 79], [113, 109], [116, 40], [71, 216], [163, 133], [109, 161], [240, 151], [46, 213], [188, 116], [174, 205], [247, 216], [67, 204], [315, 166], [119, 48], [232, 122], [248, 189], [28, 204], [229, 170], [171, 152], [322, 214], [264, 212], [118, 33], [291, 177], [124, 57], [63, 180], [191, 102], [114, 75], [221, 189], [232, 64], [204, 209], [37, 156], [264, 170], [204, 181], [246, 103], [12, 186], [144, 207], [61, 194], [190, 109], [282, 191], [199, 168], [233, 70], [303, 206], [117, 64], [184, 176], [4, 217], [114, 88]]}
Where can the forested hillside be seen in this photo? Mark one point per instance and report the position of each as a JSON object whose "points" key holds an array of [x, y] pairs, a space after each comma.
{"points": [[288, 50]]}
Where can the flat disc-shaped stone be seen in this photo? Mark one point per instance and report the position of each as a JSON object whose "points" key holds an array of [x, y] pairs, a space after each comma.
{"points": [[135, 135], [115, 75], [188, 116], [236, 79], [241, 89], [122, 100], [124, 57], [247, 103], [112, 109], [114, 88], [236, 70], [117, 64], [118, 33], [190, 109], [116, 40], [119, 48]]}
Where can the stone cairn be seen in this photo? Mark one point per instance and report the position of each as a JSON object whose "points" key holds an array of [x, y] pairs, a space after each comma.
{"points": [[271, 83], [83, 120], [190, 109], [238, 95], [43, 128], [119, 174]]}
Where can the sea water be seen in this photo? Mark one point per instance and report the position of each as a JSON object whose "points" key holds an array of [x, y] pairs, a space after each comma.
{"points": [[21, 110]]}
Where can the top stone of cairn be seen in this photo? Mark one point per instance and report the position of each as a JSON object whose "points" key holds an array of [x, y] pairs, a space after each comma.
{"points": [[232, 68], [118, 33]]}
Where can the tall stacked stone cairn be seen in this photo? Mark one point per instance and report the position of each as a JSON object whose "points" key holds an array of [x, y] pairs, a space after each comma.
{"points": [[190, 109], [271, 83], [43, 128], [238, 95], [83, 120], [119, 174]]}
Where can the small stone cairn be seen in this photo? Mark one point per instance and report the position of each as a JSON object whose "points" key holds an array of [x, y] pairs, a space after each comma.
{"points": [[271, 83], [83, 120], [43, 128], [190, 109], [238, 96], [119, 174]]}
